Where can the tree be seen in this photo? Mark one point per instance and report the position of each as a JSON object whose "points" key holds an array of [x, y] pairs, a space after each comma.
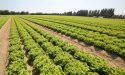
{"points": [[23, 13], [82, 13], [4, 12], [94, 13], [74, 13], [7, 12], [12, 12], [68, 13], [107, 12]]}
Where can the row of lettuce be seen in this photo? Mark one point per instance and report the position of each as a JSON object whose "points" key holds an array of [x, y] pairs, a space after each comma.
{"points": [[102, 30], [113, 24], [62, 60], [16, 64], [109, 43], [3, 20], [49, 55]]}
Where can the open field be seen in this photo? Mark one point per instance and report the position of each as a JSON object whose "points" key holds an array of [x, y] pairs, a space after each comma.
{"points": [[61, 45]]}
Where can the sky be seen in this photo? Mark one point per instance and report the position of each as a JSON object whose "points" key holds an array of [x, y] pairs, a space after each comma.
{"points": [[51, 6]]}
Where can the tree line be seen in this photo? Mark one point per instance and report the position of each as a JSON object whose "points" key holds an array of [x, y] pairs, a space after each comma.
{"points": [[7, 12], [106, 13]]}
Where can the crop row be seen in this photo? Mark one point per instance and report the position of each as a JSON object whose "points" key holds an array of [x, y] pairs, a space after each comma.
{"points": [[16, 64], [102, 30], [102, 23], [36, 55], [64, 54], [113, 24], [3, 19], [66, 61], [109, 43]]}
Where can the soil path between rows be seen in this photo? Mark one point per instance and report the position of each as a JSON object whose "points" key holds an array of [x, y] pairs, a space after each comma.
{"points": [[4, 44], [113, 60]]}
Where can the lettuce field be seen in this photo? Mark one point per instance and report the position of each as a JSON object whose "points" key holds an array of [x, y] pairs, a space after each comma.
{"points": [[62, 45]]}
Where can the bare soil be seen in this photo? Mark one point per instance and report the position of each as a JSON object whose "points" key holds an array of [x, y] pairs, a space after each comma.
{"points": [[4, 43], [113, 60], [29, 67]]}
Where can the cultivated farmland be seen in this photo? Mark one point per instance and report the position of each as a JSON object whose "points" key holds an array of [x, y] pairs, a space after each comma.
{"points": [[61, 45]]}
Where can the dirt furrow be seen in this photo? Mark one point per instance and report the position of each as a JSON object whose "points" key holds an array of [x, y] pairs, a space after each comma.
{"points": [[4, 43], [113, 60], [29, 67]]}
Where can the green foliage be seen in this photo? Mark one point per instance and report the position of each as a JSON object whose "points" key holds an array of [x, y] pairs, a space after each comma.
{"points": [[89, 40], [113, 71], [76, 68], [95, 63], [40, 61], [46, 45], [17, 67], [112, 48], [57, 55], [15, 47], [15, 56], [33, 53], [3, 20], [16, 64], [46, 67], [99, 44], [62, 59], [69, 48], [53, 51], [50, 69], [97, 33], [92, 73], [40, 41]]}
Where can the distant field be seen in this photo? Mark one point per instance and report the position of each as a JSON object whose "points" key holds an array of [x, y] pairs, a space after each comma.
{"points": [[63, 45], [3, 19], [107, 34]]}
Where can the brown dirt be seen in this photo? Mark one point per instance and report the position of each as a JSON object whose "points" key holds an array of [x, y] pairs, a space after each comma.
{"points": [[113, 60], [29, 67], [4, 43]]}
